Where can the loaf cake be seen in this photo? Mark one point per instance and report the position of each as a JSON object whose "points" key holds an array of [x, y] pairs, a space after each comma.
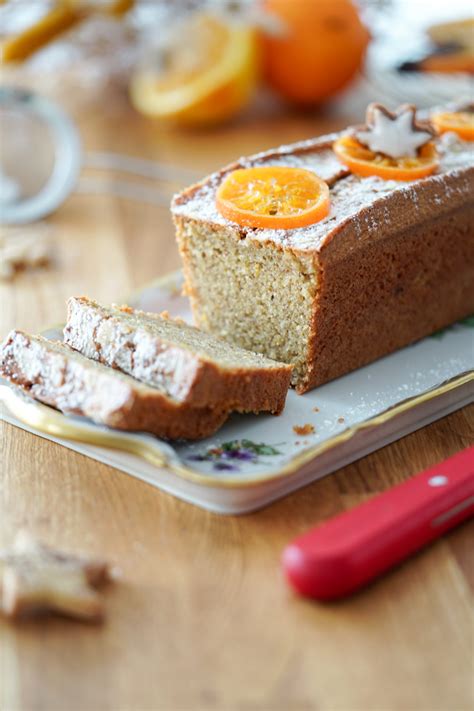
{"points": [[191, 366], [392, 262], [59, 376]]}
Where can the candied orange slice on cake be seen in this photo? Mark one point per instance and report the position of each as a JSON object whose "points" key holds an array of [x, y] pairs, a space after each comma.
{"points": [[277, 197], [392, 144], [460, 122], [364, 162]]}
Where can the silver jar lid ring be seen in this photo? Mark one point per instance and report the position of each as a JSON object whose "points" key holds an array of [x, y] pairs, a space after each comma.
{"points": [[15, 209]]}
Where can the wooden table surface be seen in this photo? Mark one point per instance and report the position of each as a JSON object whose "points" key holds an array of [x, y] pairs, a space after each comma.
{"points": [[203, 619]]}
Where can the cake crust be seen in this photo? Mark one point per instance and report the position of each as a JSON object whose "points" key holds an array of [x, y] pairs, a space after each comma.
{"points": [[414, 284]]}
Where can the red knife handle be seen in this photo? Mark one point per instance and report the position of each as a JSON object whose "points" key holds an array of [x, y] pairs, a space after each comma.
{"points": [[352, 548]]}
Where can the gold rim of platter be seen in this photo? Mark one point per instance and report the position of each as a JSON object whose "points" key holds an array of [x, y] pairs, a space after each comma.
{"points": [[49, 421]]}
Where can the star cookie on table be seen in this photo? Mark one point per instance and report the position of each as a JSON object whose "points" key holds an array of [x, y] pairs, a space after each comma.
{"points": [[37, 579], [26, 246], [395, 134]]}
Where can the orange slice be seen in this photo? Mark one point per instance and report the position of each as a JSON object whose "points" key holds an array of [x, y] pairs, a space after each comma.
{"points": [[452, 63], [62, 17], [364, 162], [461, 122], [278, 197], [208, 75]]}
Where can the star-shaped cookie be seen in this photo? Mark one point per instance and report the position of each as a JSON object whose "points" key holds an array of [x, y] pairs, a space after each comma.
{"points": [[395, 134], [36, 579]]}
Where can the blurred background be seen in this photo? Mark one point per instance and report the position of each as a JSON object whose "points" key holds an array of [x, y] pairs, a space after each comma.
{"points": [[107, 107]]}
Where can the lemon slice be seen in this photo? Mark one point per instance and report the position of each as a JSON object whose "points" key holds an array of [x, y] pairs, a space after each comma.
{"points": [[206, 75]]}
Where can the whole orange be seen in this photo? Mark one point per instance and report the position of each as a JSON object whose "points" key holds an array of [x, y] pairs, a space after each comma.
{"points": [[320, 49]]}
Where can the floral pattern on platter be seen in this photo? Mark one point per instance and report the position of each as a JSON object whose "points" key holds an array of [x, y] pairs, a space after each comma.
{"points": [[229, 455]]}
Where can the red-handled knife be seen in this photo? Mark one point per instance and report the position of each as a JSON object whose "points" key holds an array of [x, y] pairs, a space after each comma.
{"points": [[352, 548]]}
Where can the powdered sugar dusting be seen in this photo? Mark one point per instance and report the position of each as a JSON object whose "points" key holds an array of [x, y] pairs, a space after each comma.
{"points": [[348, 197], [454, 152], [324, 162], [310, 144], [349, 194]]}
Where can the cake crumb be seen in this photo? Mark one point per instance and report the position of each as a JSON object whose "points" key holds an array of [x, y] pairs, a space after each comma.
{"points": [[340, 419], [315, 409], [303, 429], [168, 317]]}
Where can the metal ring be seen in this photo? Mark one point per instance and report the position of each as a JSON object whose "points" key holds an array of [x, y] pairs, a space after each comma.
{"points": [[67, 164]]}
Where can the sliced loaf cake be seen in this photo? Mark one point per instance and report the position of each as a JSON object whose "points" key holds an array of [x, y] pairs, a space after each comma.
{"points": [[59, 376], [392, 262], [190, 365]]}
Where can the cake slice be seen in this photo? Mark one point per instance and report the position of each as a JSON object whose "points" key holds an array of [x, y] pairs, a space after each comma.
{"points": [[59, 376], [190, 365]]}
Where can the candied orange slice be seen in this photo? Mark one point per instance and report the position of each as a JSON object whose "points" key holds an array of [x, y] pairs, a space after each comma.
{"points": [[461, 122], [364, 162], [278, 197]]}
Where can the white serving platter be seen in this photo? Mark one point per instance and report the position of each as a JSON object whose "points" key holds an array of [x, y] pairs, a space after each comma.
{"points": [[254, 460]]}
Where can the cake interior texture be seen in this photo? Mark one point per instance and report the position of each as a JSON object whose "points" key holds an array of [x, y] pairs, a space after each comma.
{"points": [[206, 345], [186, 363], [254, 296]]}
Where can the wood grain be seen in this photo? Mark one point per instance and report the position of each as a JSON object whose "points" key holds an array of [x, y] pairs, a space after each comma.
{"points": [[203, 618]]}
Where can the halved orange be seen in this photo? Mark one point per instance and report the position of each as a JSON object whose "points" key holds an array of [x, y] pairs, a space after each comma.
{"points": [[364, 162], [461, 122], [206, 76], [278, 197]]}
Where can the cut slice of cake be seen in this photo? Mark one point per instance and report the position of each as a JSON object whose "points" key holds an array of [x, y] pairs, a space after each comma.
{"points": [[55, 374], [190, 365], [392, 262]]}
